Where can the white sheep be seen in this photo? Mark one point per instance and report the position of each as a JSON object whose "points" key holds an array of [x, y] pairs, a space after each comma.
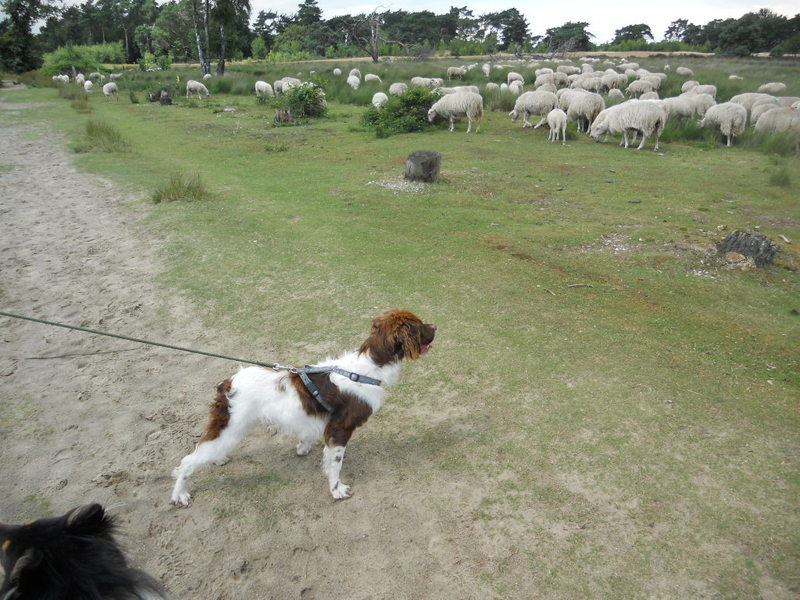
{"points": [[781, 120], [456, 72], [207, 76], [263, 89], [115, 76], [514, 76], [80, 79], [337, 72], [642, 116], [774, 87], [735, 77], [759, 108], [287, 83], [491, 86], [584, 108], [557, 121], [729, 117], [398, 89], [193, 87], [379, 99], [486, 68], [371, 78], [111, 89], [461, 104], [685, 71], [515, 87], [353, 81], [97, 75], [422, 82], [533, 103], [787, 100], [649, 96], [87, 85], [639, 87], [458, 88], [709, 89], [354, 73], [615, 93]]}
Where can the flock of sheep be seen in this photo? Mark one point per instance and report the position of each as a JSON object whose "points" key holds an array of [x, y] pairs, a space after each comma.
{"points": [[567, 94]]}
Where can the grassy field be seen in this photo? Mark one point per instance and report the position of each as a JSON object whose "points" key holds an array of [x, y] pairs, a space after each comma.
{"points": [[624, 404]]}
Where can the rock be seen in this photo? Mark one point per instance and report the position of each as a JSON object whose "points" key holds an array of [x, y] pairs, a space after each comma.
{"points": [[753, 245], [423, 165], [735, 257]]}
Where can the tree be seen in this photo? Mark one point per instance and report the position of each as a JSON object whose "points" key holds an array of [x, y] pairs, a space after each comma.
{"points": [[511, 26], [676, 30], [19, 49], [309, 13], [568, 37], [632, 33], [226, 13]]}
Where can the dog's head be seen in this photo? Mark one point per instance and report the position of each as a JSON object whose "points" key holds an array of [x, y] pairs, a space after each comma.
{"points": [[398, 334]]}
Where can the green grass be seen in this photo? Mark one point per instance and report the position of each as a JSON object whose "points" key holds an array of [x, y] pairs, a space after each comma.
{"points": [[636, 436], [181, 187]]}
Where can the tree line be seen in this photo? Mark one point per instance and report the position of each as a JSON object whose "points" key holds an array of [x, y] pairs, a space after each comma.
{"points": [[130, 31]]}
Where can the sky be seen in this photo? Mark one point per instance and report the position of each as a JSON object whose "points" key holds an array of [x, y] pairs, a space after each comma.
{"points": [[603, 16]]}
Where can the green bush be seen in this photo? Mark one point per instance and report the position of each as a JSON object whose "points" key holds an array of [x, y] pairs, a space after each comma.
{"points": [[65, 58], [102, 136], [181, 187], [307, 100], [401, 114]]}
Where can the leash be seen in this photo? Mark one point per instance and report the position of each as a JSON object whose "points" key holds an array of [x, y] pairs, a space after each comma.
{"points": [[302, 373]]}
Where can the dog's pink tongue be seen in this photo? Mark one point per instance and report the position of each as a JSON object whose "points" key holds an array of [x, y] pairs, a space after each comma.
{"points": [[425, 348]]}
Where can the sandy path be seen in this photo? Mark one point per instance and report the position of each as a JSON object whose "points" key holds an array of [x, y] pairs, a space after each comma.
{"points": [[109, 422]]}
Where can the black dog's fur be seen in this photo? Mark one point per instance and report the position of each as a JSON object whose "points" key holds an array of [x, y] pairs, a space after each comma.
{"points": [[72, 557]]}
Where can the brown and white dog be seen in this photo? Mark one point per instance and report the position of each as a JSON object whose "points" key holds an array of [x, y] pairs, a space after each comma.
{"points": [[280, 398]]}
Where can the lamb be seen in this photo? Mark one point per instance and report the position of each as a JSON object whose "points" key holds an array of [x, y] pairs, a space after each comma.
{"points": [[638, 115], [71, 556], [461, 104], [398, 89], [774, 87], [193, 87], [486, 68], [87, 85], [354, 73], [515, 87], [379, 99], [207, 76], [111, 89], [533, 103], [371, 78], [557, 121], [685, 71], [263, 89], [353, 81], [584, 108], [729, 117], [456, 72], [337, 72]]}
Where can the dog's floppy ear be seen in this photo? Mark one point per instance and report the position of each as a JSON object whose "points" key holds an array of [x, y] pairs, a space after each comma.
{"points": [[23, 567], [90, 519], [407, 336]]}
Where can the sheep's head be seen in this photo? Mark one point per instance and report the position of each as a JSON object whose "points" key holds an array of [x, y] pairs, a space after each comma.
{"points": [[514, 114], [431, 114], [598, 129]]}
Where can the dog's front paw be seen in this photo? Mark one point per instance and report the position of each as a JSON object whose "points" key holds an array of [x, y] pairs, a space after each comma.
{"points": [[303, 449], [181, 499], [222, 461], [341, 491]]}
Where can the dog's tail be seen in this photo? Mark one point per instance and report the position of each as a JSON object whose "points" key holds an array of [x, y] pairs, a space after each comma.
{"points": [[220, 412]]}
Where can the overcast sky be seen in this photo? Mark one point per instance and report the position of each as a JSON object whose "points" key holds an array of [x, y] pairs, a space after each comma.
{"points": [[603, 16]]}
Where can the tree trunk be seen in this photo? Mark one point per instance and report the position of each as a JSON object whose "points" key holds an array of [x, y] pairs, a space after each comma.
{"points": [[374, 30], [207, 62], [423, 165], [201, 55], [127, 46], [221, 63]]}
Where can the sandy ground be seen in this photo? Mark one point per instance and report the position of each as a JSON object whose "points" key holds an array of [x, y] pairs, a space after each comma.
{"points": [[85, 418]]}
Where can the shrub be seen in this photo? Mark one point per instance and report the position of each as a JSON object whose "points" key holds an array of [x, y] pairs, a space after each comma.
{"points": [[401, 114], [63, 60], [181, 187], [134, 98], [307, 100], [102, 136]]}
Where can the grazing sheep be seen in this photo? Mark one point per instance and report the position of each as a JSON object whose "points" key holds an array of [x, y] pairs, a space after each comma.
{"points": [[97, 75], [80, 79], [649, 96], [398, 89], [687, 85], [701, 103], [458, 88], [734, 77], [613, 80], [557, 121], [337, 72], [193, 87], [87, 86], [787, 100], [760, 108], [354, 73], [422, 82], [115, 76], [514, 76], [379, 99], [639, 87], [461, 104], [533, 103], [486, 68], [615, 93], [288, 83], [515, 87], [353, 81], [584, 108], [207, 76], [729, 117], [371, 78], [774, 87], [780, 120], [456, 72], [569, 69], [111, 89], [711, 90], [685, 71], [492, 86], [263, 89], [634, 115]]}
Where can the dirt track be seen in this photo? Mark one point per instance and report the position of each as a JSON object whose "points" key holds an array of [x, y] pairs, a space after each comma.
{"points": [[88, 418]]}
